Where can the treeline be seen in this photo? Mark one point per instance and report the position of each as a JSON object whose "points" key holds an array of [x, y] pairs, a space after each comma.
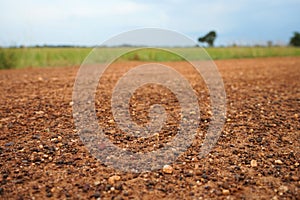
{"points": [[211, 36], [208, 38]]}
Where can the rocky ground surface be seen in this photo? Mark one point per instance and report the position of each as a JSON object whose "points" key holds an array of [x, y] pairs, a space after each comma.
{"points": [[256, 157]]}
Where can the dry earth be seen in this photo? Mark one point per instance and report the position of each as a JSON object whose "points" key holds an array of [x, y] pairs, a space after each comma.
{"points": [[256, 157]]}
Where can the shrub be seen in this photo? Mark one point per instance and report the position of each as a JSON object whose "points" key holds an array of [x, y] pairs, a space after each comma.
{"points": [[8, 58]]}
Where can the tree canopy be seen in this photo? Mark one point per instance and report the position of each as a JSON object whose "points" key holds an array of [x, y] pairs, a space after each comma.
{"points": [[209, 38], [295, 40]]}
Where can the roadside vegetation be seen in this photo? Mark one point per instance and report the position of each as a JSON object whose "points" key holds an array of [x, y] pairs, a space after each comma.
{"points": [[56, 57]]}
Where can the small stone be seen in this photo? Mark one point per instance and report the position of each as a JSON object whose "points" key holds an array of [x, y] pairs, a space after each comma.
{"points": [[279, 162], [54, 140], [36, 137], [45, 156], [96, 195], [112, 131], [193, 112], [71, 103], [96, 183], [168, 169], [49, 194], [113, 179], [119, 187], [60, 144], [285, 139], [111, 121], [86, 188], [125, 193], [19, 181], [39, 112], [225, 186], [295, 178], [59, 138], [225, 192], [9, 144], [283, 189], [296, 116], [207, 187], [253, 163]]}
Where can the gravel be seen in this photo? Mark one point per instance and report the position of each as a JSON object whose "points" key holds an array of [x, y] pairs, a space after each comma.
{"points": [[256, 157]]}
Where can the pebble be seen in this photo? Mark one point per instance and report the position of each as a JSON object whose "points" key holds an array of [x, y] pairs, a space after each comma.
{"points": [[54, 140], [9, 144], [279, 162], [168, 169], [45, 156], [193, 112], [59, 138], [96, 195], [295, 178], [283, 189], [49, 194], [86, 187], [253, 163], [71, 103], [225, 192], [119, 187], [113, 179], [39, 112], [60, 144], [36, 137], [96, 183]]}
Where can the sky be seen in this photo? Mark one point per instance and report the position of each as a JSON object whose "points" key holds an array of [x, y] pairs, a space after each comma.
{"points": [[91, 22]]}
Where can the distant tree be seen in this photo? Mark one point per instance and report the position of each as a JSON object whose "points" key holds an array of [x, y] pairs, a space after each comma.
{"points": [[295, 40], [269, 43], [209, 38]]}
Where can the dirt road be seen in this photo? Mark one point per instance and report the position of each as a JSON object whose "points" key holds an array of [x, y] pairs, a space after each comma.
{"points": [[256, 157]]}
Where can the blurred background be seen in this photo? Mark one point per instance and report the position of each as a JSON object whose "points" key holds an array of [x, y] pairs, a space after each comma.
{"points": [[75, 23]]}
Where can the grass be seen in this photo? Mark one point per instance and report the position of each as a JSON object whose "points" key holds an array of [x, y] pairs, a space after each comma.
{"points": [[50, 57], [252, 52], [46, 57]]}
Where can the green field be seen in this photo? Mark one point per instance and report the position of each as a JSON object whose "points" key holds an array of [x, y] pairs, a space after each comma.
{"points": [[50, 57]]}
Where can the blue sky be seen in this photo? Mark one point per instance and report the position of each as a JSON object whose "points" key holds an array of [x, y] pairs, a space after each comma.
{"points": [[75, 22]]}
